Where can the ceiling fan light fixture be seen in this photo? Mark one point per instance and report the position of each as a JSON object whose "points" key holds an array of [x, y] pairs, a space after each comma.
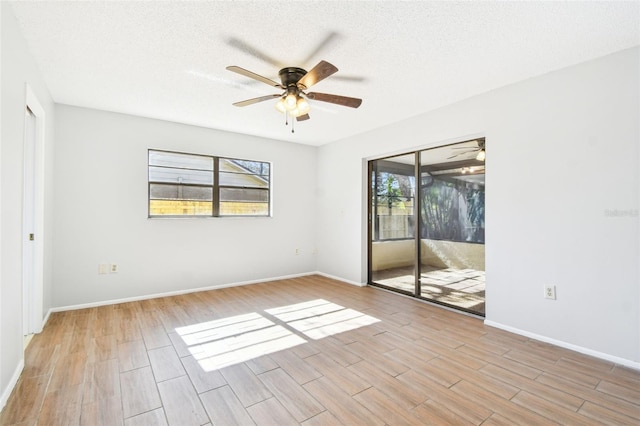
{"points": [[290, 101], [302, 106], [482, 155], [280, 105]]}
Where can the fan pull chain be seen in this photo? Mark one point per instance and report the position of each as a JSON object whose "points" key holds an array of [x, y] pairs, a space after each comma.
{"points": [[287, 116]]}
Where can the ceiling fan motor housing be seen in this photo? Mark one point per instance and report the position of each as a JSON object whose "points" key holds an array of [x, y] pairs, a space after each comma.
{"points": [[290, 76]]}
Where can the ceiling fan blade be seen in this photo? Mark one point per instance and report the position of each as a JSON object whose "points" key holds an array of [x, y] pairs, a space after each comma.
{"points": [[458, 155], [253, 51], [321, 46], [318, 73], [255, 100], [335, 99], [303, 117], [350, 78], [254, 76]]}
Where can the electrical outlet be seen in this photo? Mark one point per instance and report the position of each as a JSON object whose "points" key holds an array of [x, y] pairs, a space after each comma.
{"points": [[550, 292], [297, 252], [103, 268], [114, 268]]}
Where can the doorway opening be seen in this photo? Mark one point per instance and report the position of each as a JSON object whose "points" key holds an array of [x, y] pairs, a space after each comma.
{"points": [[426, 227]]}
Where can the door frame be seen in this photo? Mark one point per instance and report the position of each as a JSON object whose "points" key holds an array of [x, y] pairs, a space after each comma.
{"points": [[33, 293], [370, 220]]}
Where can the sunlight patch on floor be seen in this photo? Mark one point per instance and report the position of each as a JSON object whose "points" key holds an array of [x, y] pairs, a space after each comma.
{"points": [[227, 341], [464, 288], [322, 319]]}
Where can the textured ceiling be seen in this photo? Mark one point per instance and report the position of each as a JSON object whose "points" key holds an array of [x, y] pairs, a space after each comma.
{"points": [[167, 60]]}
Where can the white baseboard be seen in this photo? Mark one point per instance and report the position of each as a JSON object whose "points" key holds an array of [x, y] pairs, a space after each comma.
{"points": [[46, 318], [617, 360], [6, 393], [333, 277], [174, 293]]}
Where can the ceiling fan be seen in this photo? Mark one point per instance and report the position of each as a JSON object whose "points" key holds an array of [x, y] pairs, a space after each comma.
{"points": [[294, 82], [481, 153]]}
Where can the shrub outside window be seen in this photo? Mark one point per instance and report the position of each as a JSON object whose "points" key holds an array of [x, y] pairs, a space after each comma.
{"points": [[182, 185]]}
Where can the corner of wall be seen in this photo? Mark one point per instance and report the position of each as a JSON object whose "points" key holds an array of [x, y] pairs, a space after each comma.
{"points": [[333, 277]]}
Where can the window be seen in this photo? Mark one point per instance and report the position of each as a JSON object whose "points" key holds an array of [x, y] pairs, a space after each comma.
{"points": [[199, 185]]}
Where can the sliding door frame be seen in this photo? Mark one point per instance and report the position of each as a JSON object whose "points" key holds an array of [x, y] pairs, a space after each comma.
{"points": [[372, 218], [417, 228]]}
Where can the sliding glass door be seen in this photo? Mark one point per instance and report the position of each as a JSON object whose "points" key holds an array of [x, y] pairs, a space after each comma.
{"points": [[426, 225], [393, 211]]}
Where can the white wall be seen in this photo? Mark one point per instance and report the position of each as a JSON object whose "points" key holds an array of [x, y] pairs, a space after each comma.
{"points": [[562, 150], [18, 68], [101, 212]]}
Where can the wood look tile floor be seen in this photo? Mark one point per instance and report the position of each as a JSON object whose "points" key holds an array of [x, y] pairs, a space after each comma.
{"points": [[309, 351]]}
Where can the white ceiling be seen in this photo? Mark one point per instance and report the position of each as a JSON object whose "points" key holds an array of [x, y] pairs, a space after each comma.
{"points": [[167, 60]]}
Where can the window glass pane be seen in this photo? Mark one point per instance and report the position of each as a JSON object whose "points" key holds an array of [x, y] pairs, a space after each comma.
{"points": [[244, 202], [244, 166], [452, 194], [243, 209], [179, 160], [453, 210], [242, 179], [180, 208], [244, 194], [180, 192], [394, 191], [256, 167], [166, 174]]}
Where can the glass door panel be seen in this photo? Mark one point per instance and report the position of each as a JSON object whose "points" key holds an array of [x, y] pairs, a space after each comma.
{"points": [[393, 248], [452, 226]]}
